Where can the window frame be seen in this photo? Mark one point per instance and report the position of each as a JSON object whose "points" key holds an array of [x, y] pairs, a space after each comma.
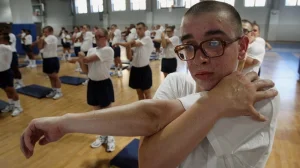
{"points": [[254, 4], [112, 6], [131, 5], [297, 4], [77, 9], [91, 6]]}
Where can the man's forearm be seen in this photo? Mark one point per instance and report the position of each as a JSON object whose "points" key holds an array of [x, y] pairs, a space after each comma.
{"points": [[142, 118], [171, 145]]}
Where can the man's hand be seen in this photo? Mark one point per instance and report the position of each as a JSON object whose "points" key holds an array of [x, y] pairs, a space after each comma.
{"points": [[237, 93], [81, 54], [45, 130]]}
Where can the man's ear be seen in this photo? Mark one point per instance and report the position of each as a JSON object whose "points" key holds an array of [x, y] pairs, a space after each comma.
{"points": [[244, 41]]}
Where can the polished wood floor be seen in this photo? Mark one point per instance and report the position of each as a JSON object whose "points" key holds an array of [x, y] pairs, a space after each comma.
{"points": [[73, 150]]}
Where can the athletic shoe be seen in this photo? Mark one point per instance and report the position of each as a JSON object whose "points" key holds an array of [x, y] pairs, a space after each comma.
{"points": [[8, 108], [99, 141], [51, 94], [18, 85], [58, 95], [110, 144], [85, 82], [17, 111]]}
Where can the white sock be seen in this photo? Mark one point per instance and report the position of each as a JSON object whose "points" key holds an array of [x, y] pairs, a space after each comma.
{"points": [[17, 103], [33, 62], [19, 81], [58, 90], [10, 101]]}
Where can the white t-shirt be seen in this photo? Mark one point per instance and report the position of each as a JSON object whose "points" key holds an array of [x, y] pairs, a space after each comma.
{"points": [[147, 33], [22, 36], [157, 34], [28, 39], [77, 43], [117, 36], [87, 42], [5, 57], [63, 35], [50, 48], [67, 39], [100, 70], [232, 142], [142, 54], [13, 40], [256, 50], [169, 50]]}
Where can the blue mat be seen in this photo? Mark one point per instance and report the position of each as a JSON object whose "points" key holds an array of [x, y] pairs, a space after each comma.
{"points": [[72, 80], [35, 91], [3, 104], [128, 157], [23, 65], [124, 66]]}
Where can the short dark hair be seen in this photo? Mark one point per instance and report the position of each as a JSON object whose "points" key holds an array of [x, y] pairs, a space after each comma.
{"points": [[247, 21], [5, 37], [75, 27], [255, 24], [215, 6], [170, 27], [49, 28], [114, 25], [105, 32], [88, 26], [141, 23]]}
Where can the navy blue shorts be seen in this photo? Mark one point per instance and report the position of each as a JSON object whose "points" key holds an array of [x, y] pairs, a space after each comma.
{"points": [[76, 50], [140, 78], [67, 45], [100, 93], [6, 79], [51, 65], [117, 51], [94, 45], [168, 65], [156, 44], [14, 62], [28, 49]]}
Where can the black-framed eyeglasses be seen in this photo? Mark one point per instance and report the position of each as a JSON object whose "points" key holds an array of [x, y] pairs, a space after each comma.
{"points": [[210, 48], [246, 31]]}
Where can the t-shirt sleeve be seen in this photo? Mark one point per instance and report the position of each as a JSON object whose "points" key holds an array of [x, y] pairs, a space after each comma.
{"points": [[106, 54], [117, 32], [174, 40], [49, 40], [12, 38], [258, 51], [243, 140], [166, 90]]}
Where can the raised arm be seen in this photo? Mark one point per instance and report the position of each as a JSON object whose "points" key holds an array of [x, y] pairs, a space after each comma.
{"points": [[173, 144], [142, 118]]}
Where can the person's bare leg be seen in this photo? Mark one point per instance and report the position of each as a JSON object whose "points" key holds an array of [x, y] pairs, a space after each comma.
{"points": [[140, 94], [11, 93], [147, 94], [52, 80]]}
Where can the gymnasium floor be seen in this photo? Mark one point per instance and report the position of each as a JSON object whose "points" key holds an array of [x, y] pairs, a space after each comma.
{"points": [[73, 150]]}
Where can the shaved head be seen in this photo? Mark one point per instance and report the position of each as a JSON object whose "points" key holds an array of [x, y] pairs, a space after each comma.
{"points": [[220, 8]]}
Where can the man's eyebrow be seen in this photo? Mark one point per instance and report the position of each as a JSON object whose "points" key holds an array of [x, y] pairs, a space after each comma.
{"points": [[215, 32], [186, 36]]}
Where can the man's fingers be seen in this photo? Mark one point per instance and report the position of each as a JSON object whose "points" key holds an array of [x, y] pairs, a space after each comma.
{"points": [[256, 115], [263, 84], [24, 149], [251, 76], [261, 95], [27, 139], [43, 141]]}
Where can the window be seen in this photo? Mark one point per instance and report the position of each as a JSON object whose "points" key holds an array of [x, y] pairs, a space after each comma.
{"points": [[231, 2], [255, 3], [164, 3], [190, 3], [138, 4], [80, 6], [118, 5], [292, 2], [96, 6]]}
